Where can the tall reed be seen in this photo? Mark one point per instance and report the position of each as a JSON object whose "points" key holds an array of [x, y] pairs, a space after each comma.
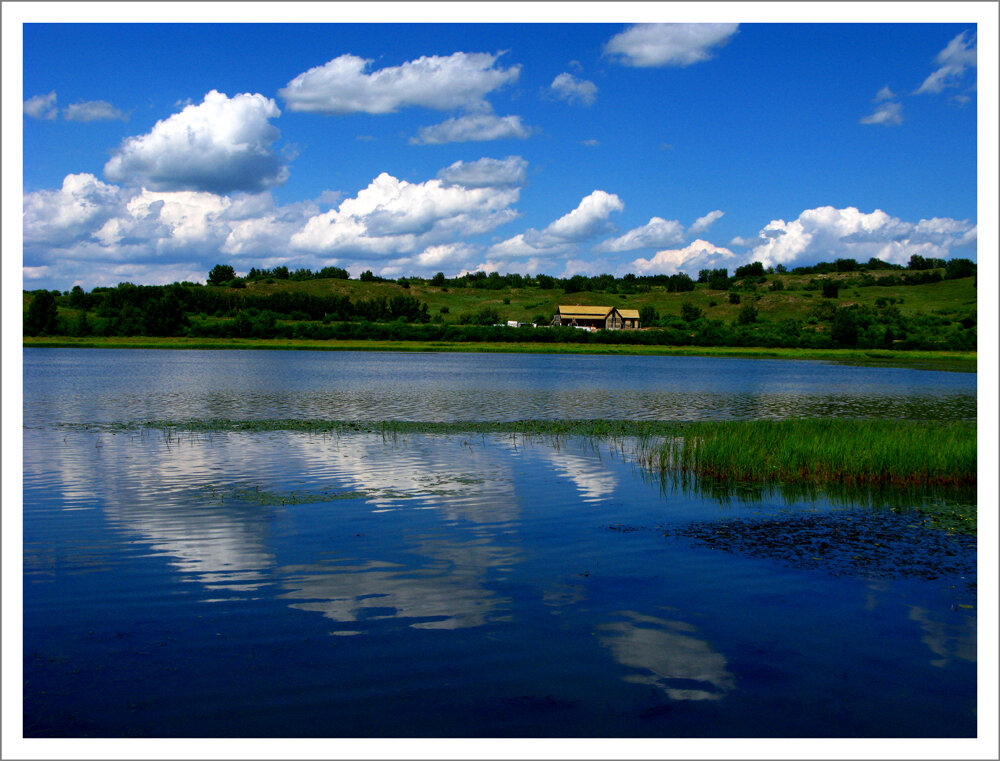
{"points": [[875, 452]]}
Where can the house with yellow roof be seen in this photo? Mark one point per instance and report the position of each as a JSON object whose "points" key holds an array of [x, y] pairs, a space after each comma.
{"points": [[597, 317]]}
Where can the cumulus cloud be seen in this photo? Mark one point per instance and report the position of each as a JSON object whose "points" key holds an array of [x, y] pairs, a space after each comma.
{"points": [[92, 111], [221, 145], [41, 106], [703, 223], [572, 90], [957, 57], [448, 258], [886, 114], [392, 217], [698, 254], [656, 232], [486, 172], [587, 220], [100, 233], [827, 233], [346, 85], [471, 128], [648, 45], [61, 217]]}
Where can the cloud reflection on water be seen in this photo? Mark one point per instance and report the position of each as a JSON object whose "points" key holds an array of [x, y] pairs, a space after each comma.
{"points": [[667, 655]]}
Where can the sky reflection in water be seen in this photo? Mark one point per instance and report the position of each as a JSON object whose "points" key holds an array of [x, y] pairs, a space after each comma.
{"points": [[517, 586]]}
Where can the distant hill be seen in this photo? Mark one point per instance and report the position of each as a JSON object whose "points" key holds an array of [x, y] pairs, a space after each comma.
{"points": [[904, 308]]}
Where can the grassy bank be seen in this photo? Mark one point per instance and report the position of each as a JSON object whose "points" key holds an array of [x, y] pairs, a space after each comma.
{"points": [[948, 360], [851, 452]]}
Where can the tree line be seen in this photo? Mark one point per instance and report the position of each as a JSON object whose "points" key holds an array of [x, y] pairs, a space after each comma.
{"points": [[220, 310]]}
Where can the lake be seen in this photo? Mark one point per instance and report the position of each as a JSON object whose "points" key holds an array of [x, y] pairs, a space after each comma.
{"points": [[288, 584]]}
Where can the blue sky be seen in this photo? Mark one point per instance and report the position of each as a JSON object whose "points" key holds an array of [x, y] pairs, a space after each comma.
{"points": [[153, 151]]}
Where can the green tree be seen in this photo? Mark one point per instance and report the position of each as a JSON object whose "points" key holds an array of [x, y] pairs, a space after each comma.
{"points": [[164, 316], [82, 326], [648, 316], [689, 312], [42, 316], [956, 268], [221, 273], [77, 298], [747, 315], [438, 280], [844, 328]]}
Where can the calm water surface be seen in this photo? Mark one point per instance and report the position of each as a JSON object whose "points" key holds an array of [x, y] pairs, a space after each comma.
{"points": [[81, 385], [288, 584]]}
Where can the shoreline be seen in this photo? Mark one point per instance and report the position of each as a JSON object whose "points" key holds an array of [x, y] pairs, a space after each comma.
{"points": [[954, 361]]}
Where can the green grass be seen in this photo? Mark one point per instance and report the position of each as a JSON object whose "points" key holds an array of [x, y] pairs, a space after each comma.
{"points": [[851, 452], [945, 360]]}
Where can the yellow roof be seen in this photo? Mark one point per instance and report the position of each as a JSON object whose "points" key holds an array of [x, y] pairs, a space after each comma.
{"points": [[629, 314], [583, 311]]}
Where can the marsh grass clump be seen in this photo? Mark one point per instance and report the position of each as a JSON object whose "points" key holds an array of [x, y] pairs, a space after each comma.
{"points": [[851, 452]]}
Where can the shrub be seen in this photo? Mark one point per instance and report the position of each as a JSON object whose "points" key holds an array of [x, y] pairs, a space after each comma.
{"points": [[747, 315], [689, 312], [831, 289], [734, 298]]}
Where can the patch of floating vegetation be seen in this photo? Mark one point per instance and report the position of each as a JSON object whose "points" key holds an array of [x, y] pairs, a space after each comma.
{"points": [[864, 544], [256, 496]]}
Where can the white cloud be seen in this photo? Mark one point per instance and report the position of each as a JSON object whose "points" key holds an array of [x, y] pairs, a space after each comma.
{"points": [[486, 172], [591, 143], [529, 266], [656, 232], [886, 114], [959, 55], [698, 254], [345, 86], [668, 44], [61, 217], [448, 258], [392, 217], [827, 233], [92, 111], [588, 219], [885, 94], [572, 90], [219, 146], [703, 223], [472, 127], [41, 106]]}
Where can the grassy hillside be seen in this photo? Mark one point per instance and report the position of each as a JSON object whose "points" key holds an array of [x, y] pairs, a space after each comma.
{"points": [[885, 310], [947, 298]]}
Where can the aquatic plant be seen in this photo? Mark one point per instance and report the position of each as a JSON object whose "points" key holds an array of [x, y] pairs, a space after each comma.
{"points": [[862, 452]]}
